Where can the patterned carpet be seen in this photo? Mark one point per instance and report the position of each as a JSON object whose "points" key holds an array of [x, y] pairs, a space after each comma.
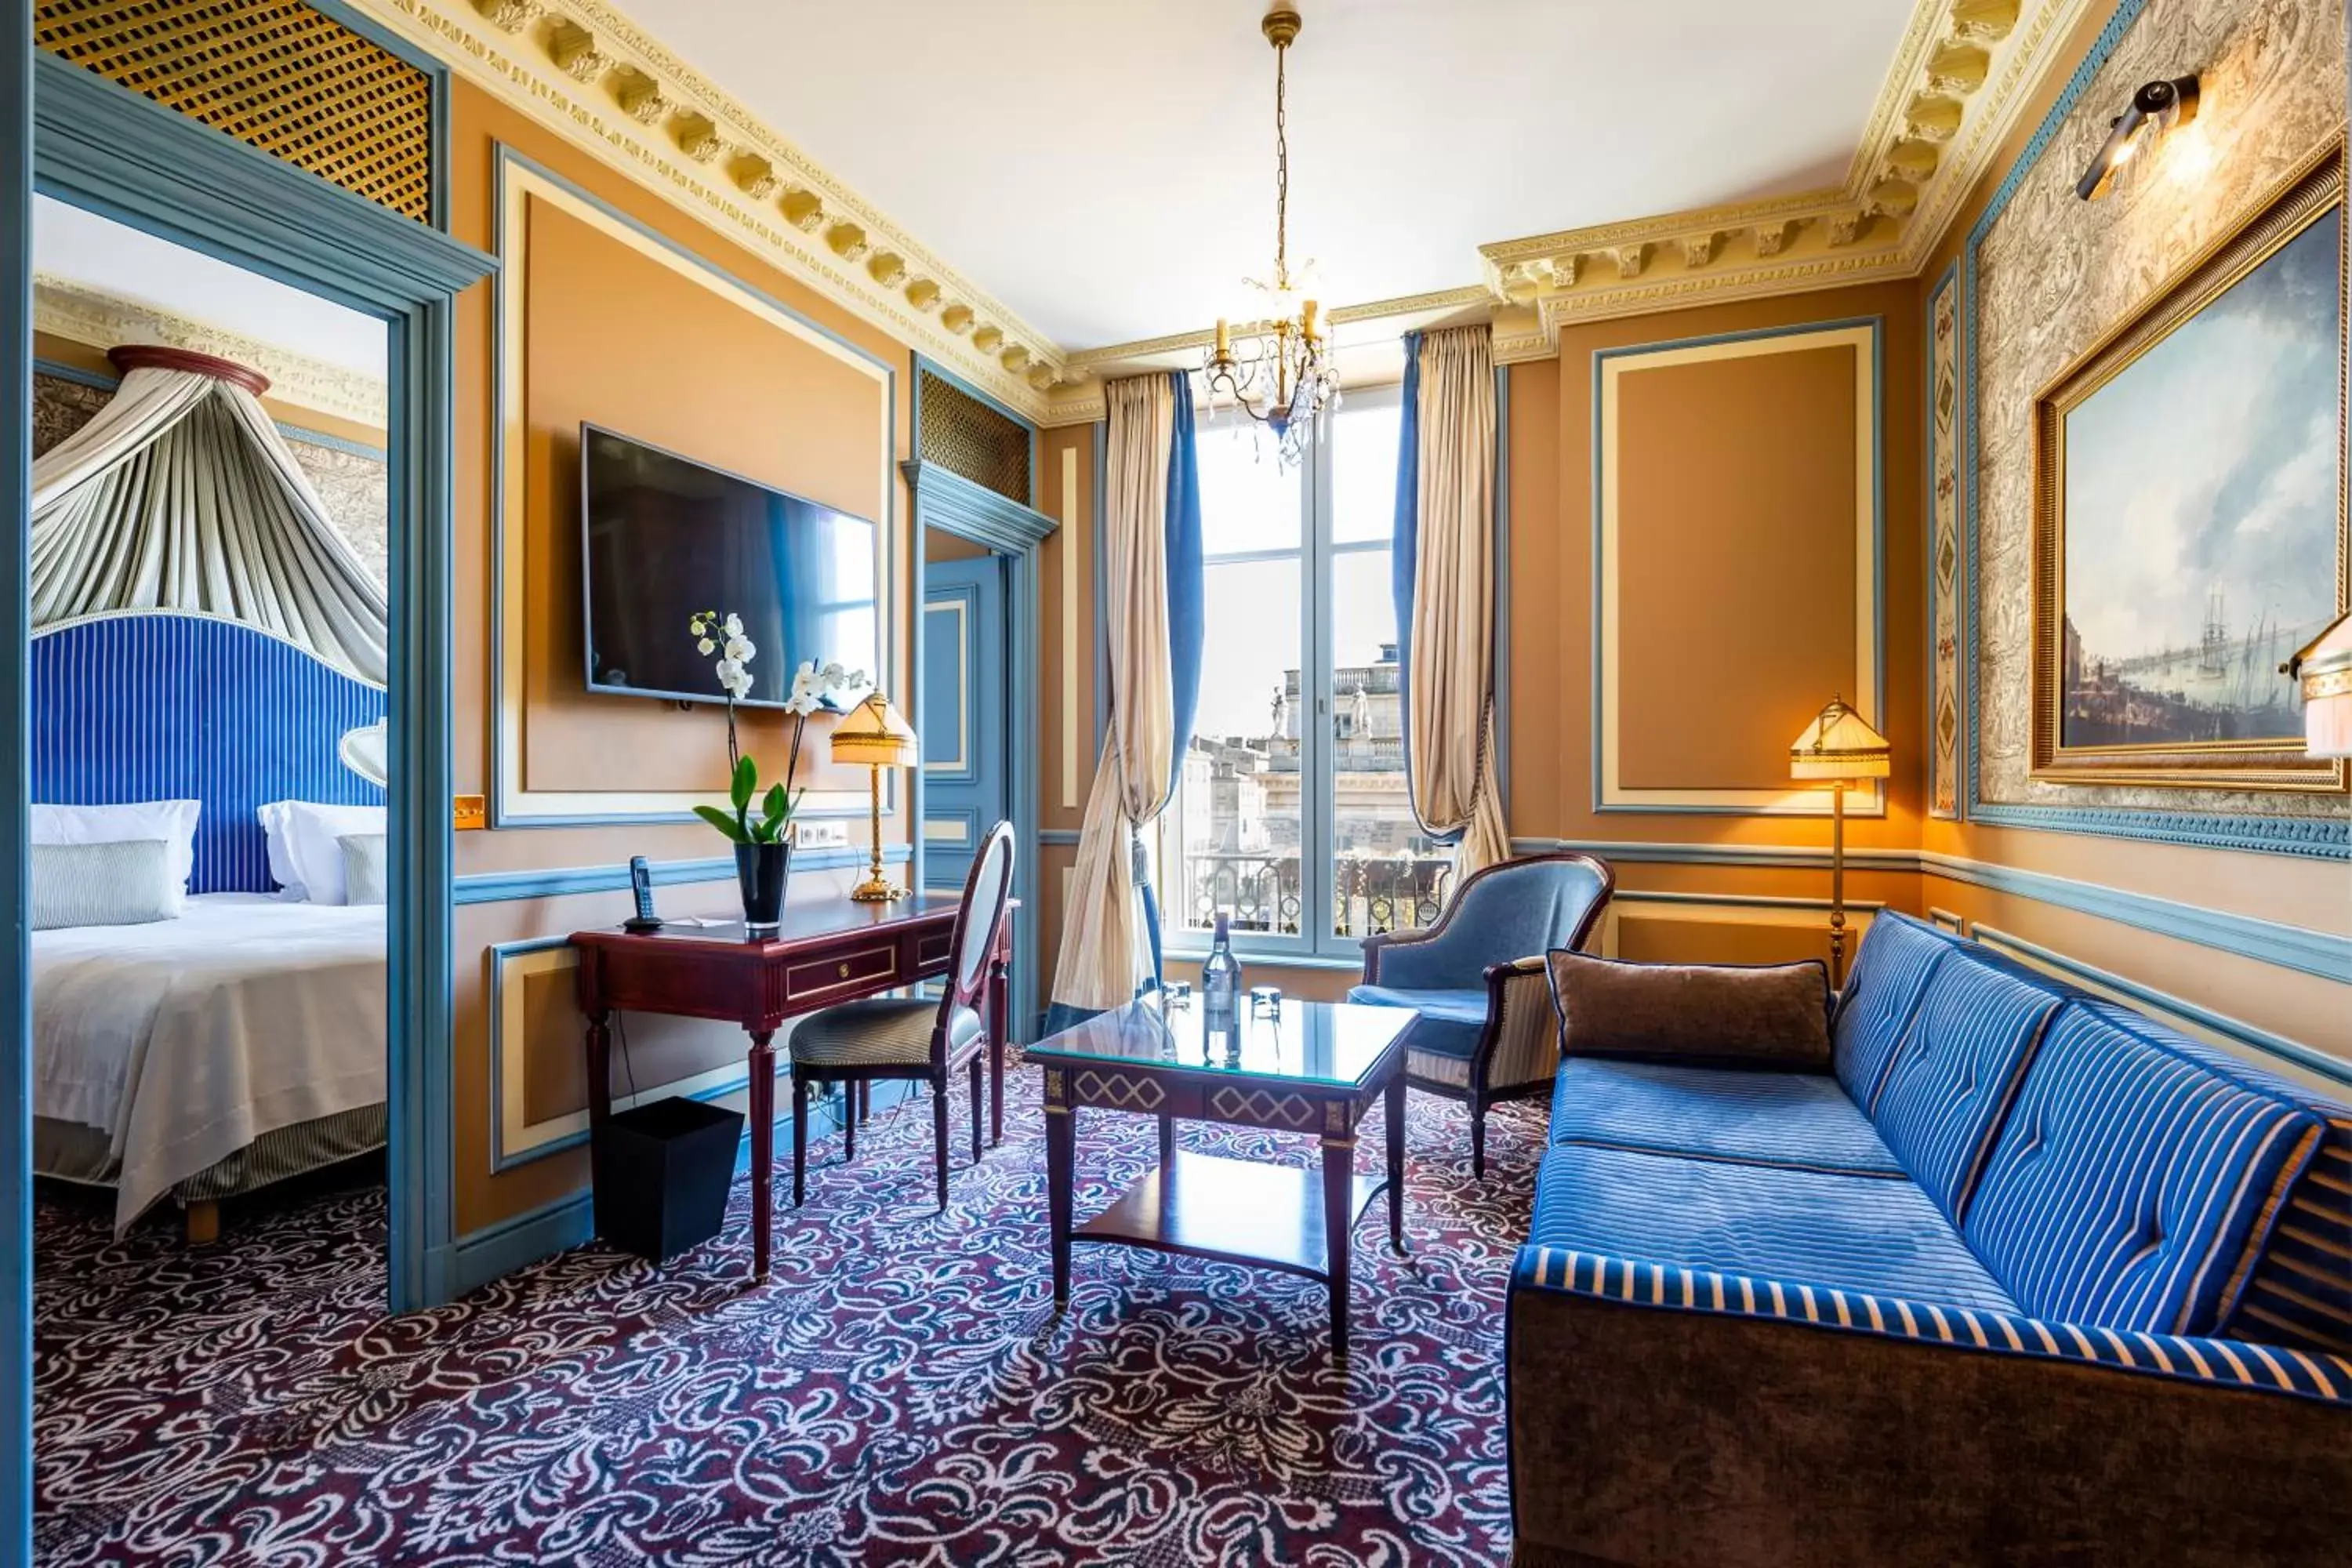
{"points": [[901, 1393]]}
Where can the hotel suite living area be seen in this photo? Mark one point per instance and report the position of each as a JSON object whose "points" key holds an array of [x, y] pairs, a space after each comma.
{"points": [[1187, 782]]}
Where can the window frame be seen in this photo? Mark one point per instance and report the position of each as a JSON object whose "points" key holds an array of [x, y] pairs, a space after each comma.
{"points": [[1317, 945]]}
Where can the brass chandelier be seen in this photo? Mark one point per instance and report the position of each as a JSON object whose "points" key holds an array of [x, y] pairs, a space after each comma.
{"points": [[1287, 378]]}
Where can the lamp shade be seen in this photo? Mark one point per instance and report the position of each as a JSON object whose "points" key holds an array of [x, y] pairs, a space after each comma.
{"points": [[1839, 744], [875, 735], [2324, 668]]}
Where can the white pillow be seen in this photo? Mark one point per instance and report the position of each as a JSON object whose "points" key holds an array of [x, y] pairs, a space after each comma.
{"points": [[364, 871], [304, 858], [173, 821]]}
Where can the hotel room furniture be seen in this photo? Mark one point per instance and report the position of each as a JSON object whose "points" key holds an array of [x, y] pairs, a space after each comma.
{"points": [[1306, 1067], [827, 950], [1488, 1031], [915, 1038], [246, 1041], [2016, 1275], [875, 735], [1838, 749]]}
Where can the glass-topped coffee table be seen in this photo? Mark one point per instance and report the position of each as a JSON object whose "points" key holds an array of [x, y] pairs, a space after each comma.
{"points": [[1306, 1067]]}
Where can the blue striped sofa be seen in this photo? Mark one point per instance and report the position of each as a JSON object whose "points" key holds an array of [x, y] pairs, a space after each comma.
{"points": [[2026, 1278]]}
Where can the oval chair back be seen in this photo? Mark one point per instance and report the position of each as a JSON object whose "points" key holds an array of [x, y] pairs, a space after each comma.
{"points": [[980, 918]]}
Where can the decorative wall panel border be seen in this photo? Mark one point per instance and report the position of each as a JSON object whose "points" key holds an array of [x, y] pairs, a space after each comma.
{"points": [[1609, 368], [514, 1140], [1946, 626], [521, 182], [2323, 829]]}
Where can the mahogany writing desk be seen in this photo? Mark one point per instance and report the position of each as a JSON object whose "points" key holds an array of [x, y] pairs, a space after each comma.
{"points": [[827, 950]]}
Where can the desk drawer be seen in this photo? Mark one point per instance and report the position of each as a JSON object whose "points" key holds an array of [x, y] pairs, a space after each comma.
{"points": [[862, 969]]}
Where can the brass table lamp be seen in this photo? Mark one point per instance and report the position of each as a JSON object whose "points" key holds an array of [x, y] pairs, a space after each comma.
{"points": [[1838, 748], [875, 735]]}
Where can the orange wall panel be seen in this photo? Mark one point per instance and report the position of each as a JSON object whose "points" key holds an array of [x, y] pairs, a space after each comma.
{"points": [[1735, 563]]}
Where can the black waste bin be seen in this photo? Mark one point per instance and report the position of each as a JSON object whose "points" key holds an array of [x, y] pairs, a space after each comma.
{"points": [[662, 1174]]}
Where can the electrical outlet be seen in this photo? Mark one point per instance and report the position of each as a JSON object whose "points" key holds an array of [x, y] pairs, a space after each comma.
{"points": [[818, 833]]}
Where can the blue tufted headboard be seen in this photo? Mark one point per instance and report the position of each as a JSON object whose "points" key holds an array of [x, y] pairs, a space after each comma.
{"points": [[166, 705]]}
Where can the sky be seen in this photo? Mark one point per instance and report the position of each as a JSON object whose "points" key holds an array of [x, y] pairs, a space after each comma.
{"points": [[2211, 464], [1254, 613]]}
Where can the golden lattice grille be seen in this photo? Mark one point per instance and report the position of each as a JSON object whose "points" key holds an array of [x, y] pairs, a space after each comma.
{"points": [[965, 436], [272, 73]]}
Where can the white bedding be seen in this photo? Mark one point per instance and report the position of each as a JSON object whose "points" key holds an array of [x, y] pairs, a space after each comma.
{"points": [[185, 1040]]}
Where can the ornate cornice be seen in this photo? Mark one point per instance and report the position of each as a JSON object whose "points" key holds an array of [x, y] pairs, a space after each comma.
{"points": [[1961, 72], [587, 71], [90, 316], [584, 69]]}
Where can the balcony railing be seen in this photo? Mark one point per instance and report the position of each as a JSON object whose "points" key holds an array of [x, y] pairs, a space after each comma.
{"points": [[1260, 891]]}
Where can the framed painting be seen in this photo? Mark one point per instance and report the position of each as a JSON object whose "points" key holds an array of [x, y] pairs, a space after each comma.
{"points": [[2189, 514]]}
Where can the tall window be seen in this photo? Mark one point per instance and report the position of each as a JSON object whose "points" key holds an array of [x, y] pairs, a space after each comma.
{"points": [[1291, 816]]}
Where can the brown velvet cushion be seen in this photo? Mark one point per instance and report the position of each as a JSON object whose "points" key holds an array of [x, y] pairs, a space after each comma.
{"points": [[1774, 1015]]}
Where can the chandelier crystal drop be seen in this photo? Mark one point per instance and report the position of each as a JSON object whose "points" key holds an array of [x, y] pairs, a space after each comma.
{"points": [[1284, 377]]}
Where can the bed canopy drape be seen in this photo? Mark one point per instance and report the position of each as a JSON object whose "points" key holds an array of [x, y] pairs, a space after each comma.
{"points": [[181, 495]]}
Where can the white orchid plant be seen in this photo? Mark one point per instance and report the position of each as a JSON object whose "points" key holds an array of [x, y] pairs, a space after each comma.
{"points": [[829, 686]]}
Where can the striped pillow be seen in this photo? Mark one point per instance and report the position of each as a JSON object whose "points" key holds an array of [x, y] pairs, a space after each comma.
{"points": [[1956, 1070], [127, 881], [2128, 1181]]}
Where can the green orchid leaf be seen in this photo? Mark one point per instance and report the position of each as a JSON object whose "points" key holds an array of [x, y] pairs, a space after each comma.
{"points": [[776, 806], [746, 780], [721, 821]]}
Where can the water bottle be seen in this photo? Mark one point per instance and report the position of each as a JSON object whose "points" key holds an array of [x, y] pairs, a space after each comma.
{"points": [[1221, 981]]}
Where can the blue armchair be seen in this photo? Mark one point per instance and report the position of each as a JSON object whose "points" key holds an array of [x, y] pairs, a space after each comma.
{"points": [[1488, 1030]]}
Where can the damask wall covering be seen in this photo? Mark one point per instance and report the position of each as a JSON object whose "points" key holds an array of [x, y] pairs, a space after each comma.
{"points": [[353, 483], [2055, 274]]}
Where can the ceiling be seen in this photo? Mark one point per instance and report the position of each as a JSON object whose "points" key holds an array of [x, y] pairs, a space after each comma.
{"points": [[1106, 169], [72, 246]]}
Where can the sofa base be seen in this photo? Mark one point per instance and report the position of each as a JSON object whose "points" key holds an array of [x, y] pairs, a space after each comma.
{"points": [[1645, 1436]]}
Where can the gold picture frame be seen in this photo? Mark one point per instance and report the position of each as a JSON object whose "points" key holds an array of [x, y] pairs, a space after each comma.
{"points": [[2261, 761]]}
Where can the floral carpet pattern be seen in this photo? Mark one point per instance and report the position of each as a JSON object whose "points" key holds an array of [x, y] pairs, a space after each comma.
{"points": [[901, 1392]]}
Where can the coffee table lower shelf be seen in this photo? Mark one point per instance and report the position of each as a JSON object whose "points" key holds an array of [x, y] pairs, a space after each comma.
{"points": [[1235, 1211]]}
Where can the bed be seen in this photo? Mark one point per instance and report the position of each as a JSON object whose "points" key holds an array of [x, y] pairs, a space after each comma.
{"points": [[203, 1057]]}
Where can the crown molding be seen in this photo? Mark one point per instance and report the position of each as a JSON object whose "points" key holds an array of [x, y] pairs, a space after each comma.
{"points": [[585, 70], [99, 320], [1957, 82], [1951, 95], [582, 69]]}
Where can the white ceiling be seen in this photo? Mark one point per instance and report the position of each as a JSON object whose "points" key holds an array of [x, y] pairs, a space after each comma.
{"points": [[79, 246], [1106, 167]]}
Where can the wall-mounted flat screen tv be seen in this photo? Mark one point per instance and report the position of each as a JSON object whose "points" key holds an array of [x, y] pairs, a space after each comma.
{"points": [[663, 538]]}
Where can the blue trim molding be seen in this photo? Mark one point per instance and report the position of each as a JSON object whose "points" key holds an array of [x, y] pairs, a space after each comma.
{"points": [[2326, 838], [2235, 1030], [1599, 458], [15, 827], [564, 882], [2318, 952], [105, 148]]}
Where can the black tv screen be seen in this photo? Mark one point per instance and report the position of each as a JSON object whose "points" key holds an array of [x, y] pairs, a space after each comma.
{"points": [[663, 538]]}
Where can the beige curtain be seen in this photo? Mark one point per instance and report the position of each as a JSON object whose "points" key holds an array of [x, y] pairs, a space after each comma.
{"points": [[1450, 717], [181, 495], [1105, 951]]}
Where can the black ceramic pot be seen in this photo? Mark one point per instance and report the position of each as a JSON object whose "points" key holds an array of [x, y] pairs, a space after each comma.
{"points": [[763, 869]]}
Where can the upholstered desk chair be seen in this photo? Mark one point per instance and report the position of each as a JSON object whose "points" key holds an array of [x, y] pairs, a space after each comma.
{"points": [[1488, 1030], [913, 1038]]}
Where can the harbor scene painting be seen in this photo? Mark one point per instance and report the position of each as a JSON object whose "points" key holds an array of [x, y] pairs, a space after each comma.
{"points": [[2200, 513]]}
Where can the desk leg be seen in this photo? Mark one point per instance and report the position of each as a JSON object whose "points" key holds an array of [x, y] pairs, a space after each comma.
{"points": [[1395, 1119], [999, 1020], [1339, 1203], [600, 1068], [1061, 1184], [1167, 1142], [763, 1147]]}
